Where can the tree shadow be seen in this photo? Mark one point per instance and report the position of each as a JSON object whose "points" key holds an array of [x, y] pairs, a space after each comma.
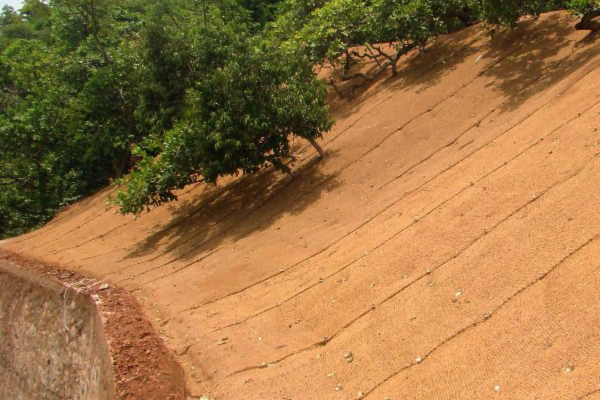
{"points": [[520, 63], [246, 205], [416, 71], [526, 60], [541, 64]]}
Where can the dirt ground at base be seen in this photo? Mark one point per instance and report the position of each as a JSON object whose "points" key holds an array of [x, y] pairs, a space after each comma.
{"points": [[143, 367], [446, 248]]}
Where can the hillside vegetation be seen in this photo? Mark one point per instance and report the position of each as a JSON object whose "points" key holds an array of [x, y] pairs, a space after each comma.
{"points": [[169, 93]]}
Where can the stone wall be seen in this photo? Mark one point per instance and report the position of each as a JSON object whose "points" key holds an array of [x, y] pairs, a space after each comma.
{"points": [[52, 341]]}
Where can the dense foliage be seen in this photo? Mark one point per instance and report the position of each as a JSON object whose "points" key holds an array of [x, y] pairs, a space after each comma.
{"points": [[239, 102], [162, 94], [87, 83]]}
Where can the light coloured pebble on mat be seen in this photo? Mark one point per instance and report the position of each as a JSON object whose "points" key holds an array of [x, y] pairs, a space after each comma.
{"points": [[497, 388], [360, 395], [418, 360], [569, 368]]}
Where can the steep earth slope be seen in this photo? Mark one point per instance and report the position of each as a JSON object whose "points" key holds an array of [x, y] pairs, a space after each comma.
{"points": [[450, 241]]}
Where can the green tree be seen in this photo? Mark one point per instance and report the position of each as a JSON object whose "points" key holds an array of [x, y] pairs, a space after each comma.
{"points": [[67, 112], [333, 32], [239, 105]]}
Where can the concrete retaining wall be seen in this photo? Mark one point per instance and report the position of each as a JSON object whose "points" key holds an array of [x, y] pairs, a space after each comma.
{"points": [[52, 341]]}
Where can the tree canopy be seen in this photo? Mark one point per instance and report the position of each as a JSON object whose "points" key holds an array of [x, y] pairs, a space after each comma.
{"points": [[158, 95]]}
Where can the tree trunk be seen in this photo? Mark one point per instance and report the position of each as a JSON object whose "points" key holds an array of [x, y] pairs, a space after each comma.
{"points": [[319, 149], [586, 23]]}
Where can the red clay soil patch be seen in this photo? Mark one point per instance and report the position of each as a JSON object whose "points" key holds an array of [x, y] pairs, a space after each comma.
{"points": [[142, 365]]}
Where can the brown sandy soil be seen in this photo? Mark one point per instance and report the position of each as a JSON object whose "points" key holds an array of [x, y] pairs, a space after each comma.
{"points": [[450, 240]]}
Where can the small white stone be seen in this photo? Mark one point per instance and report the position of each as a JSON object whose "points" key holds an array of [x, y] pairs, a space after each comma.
{"points": [[569, 368], [418, 360], [497, 388]]}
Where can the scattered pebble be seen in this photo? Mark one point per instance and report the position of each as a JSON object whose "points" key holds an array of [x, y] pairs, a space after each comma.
{"points": [[349, 357], [104, 286], [570, 368], [338, 387], [497, 388], [418, 360]]}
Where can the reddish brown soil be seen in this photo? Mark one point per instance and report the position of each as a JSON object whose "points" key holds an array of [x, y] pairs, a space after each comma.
{"points": [[449, 241], [144, 368]]}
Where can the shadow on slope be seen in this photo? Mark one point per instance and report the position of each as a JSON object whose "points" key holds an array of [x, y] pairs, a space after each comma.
{"points": [[530, 57], [237, 209], [533, 46]]}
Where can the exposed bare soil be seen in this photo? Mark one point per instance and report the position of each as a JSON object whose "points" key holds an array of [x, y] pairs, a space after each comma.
{"points": [[450, 241]]}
